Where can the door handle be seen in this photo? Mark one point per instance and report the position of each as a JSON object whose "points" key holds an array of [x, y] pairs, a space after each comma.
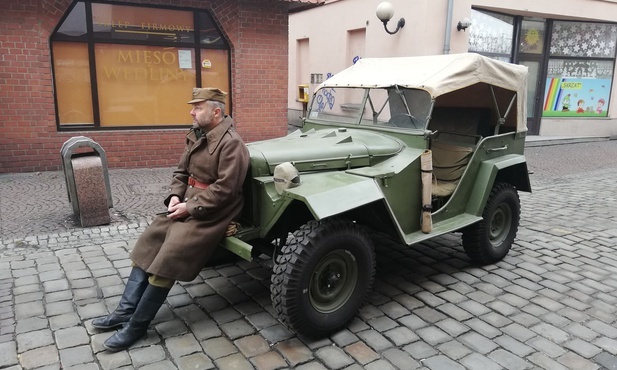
{"points": [[491, 150]]}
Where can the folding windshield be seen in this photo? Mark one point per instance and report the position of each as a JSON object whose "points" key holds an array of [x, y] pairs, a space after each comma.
{"points": [[393, 107]]}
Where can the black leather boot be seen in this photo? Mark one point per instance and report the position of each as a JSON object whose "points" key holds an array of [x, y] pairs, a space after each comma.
{"points": [[135, 286], [137, 326]]}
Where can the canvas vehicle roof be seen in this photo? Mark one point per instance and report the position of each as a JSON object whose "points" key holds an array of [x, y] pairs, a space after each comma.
{"points": [[438, 75]]}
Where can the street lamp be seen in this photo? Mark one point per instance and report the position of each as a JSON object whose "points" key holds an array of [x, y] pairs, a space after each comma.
{"points": [[384, 12], [463, 24]]}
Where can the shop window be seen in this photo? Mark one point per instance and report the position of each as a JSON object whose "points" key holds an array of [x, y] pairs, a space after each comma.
{"points": [[141, 85], [491, 34], [579, 39], [580, 69], [133, 66], [72, 77], [578, 88], [532, 36], [214, 64]]}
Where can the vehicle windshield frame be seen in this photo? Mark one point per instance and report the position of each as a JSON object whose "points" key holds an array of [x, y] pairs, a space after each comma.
{"points": [[375, 107]]}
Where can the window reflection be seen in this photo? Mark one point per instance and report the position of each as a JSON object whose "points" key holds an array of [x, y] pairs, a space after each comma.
{"points": [[209, 34], [75, 23]]}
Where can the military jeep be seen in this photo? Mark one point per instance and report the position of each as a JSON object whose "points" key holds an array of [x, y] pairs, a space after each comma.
{"points": [[411, 147]]}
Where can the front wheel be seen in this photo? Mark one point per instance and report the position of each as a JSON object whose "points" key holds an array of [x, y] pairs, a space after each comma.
{"points": [[322, 277], [489, 240]]}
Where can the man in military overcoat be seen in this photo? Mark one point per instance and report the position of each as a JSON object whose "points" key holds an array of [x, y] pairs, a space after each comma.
{"points": [[205, 196]]}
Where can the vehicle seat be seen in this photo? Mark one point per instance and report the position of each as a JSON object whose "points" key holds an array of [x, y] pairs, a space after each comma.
{"points": [[449, 163], [457, 131]]}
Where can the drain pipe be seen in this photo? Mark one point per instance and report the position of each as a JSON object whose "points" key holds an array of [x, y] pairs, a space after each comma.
{"points": [[446, 45]]}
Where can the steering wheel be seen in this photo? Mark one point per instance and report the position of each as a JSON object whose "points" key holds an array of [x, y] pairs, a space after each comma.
{"points": [[404, 120]]}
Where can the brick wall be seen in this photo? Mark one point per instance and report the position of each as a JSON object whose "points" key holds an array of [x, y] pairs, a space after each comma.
{"points": [[261, 71], [29, 139]]}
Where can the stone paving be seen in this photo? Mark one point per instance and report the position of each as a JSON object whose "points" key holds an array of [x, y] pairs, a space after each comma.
{"points": [[550, 304]]}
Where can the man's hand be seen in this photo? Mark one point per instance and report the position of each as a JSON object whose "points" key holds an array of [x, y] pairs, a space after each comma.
{"points": [[178, 210], [173, 201]]}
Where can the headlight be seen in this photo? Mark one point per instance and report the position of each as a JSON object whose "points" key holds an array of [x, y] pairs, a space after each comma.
{"points": [[285, 176]]}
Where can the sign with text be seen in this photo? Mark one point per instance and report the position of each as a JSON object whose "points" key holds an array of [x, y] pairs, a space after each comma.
{"points": [[121, 22], [143, 85]]}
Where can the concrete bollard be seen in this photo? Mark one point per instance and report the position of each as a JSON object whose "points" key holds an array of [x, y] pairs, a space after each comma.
{"points": [[87, 181]]}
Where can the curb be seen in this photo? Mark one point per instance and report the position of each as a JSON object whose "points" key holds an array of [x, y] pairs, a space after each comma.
{"points": [[535, 141]]}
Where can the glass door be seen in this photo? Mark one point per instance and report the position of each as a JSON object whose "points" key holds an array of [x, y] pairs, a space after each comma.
{"points": [[534, 94], [530, 53]]}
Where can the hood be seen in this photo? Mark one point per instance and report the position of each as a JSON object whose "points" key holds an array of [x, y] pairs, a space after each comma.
{"points": [[326, 149]]}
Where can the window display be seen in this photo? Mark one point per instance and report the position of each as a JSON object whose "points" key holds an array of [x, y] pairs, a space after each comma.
{"points": [[577, 88], [580, 73], [135, 67]]}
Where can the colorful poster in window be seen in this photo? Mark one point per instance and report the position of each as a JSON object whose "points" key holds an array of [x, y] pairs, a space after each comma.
{"points": [[577, 88]]}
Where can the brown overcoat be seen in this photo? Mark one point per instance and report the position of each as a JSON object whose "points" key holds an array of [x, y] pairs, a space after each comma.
{"points": [[178, 249]]}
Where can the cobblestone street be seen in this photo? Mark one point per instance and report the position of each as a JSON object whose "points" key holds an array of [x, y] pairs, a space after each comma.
{"points": [[550, 304]]}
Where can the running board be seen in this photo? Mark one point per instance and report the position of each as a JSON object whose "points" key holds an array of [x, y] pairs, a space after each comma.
{"points": [[237, 246], [443, 227]]}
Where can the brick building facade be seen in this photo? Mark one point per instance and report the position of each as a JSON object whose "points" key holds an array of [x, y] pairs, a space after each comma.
{"points": [[30, 135]]}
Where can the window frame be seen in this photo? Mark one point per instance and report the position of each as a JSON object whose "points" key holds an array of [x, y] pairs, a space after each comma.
{"points": [[90, 40]]}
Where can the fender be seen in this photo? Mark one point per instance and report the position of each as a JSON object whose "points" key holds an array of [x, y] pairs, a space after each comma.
{"points": [[487, 175], [330, 193], [324, 193]]}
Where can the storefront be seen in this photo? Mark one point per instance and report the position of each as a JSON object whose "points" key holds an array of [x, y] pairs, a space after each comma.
{"points": [[571, 63], [140, 62], [569, 47], [121, 72]]}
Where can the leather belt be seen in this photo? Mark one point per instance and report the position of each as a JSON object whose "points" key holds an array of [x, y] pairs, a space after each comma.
{"points": [[197, 184]]}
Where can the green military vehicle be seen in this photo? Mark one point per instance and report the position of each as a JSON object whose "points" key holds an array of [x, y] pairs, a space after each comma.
{"points": [[411, 147]]}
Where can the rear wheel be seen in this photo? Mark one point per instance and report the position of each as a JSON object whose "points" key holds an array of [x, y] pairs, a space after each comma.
{"points": [[489, 240], [322, 277]]}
